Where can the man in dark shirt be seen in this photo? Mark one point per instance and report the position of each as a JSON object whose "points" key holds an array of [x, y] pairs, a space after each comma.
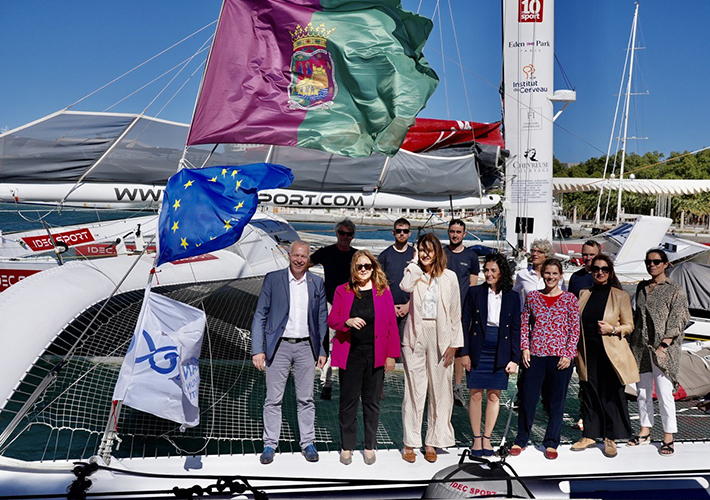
{"points": [[464, 262], [393, 260], [335, 260], [583, 278]]}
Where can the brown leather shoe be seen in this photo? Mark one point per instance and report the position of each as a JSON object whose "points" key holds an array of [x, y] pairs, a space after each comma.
{"points": [[430, 456], [583, 444], [610, 448], [408, 455]]}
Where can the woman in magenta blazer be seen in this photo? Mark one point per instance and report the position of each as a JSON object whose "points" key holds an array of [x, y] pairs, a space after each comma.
{"points": [[365, 345]]}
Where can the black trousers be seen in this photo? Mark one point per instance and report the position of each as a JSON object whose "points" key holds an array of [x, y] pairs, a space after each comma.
{"points": [[360, 381], [543, 373]]}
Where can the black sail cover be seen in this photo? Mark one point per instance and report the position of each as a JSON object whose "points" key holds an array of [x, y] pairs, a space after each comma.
{"points": [[125, 148]]}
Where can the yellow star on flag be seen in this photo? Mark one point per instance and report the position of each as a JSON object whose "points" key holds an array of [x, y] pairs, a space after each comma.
{"points": [[211, 238], [241, 204], [188, 184], [183, 242], [176, 205], [234, 172], [175, 226], [239, 183], [224, 172], [227, 225], [198, 244], [213, 179]]}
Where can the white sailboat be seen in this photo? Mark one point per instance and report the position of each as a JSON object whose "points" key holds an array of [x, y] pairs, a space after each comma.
{"points": [[56, 391]]}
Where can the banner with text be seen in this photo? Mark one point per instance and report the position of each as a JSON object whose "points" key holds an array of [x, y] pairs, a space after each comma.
{"points": [[528, 55]]}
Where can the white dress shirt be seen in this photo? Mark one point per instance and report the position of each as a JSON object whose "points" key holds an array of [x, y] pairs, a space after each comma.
{"points": [[430, 299], [494, 304], [297, 324]]}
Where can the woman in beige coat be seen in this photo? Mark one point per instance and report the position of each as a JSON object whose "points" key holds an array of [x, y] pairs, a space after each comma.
{"points": [[605, 363], [431, 336]]}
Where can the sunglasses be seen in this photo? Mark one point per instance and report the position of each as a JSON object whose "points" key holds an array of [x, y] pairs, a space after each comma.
{"points": [[346, 233], [401, 231], [655, 262], [366, 267], [602, 269]]}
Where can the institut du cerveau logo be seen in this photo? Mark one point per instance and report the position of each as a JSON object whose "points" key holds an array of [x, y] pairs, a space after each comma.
{"points": [[312, 82], [530, 11]]}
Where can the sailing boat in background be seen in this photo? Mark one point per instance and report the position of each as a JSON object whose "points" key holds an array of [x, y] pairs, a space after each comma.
{"points": [[57, 384]]}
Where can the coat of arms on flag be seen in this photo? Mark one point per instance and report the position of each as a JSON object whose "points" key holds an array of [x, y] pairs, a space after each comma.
{"points": [[312, 83]]}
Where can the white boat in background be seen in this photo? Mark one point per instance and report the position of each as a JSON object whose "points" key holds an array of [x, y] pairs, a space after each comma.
{"points": [[59, 368]]}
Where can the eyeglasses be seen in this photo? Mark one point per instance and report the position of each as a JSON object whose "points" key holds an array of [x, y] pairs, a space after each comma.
{"points": [[346, 233], [401, 231], [366, 267], [655, 262], [602, 269]]}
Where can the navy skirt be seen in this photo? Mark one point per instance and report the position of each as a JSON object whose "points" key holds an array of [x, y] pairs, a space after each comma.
{"points": [[484, 376]]}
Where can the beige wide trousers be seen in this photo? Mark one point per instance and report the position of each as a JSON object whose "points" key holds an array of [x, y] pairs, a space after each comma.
{"points": [[424, 373]]}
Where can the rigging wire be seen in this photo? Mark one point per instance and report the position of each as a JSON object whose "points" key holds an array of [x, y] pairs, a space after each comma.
{"points": [[437, 9], [141, 64], [463, 77]]}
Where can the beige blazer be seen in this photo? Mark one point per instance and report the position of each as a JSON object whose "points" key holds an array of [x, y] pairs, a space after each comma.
{"points": [[449, 330], [617, 313]]}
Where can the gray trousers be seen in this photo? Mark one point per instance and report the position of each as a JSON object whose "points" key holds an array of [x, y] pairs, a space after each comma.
{"points": [[300, 357]]}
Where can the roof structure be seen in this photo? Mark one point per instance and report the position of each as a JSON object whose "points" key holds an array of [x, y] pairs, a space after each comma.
{"points": [[642, 186]]}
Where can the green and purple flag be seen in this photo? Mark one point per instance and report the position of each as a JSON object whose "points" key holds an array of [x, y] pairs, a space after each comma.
{"points": [[343, 76]]}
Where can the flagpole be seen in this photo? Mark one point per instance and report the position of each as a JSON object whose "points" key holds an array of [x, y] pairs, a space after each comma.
{"points": [[111, 430]]}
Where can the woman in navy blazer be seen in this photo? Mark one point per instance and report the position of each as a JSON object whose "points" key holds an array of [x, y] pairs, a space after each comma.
{"points": [[491, 351]]}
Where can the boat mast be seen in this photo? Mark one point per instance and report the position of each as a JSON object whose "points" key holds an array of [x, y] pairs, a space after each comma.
{"points": [[626, 114]]}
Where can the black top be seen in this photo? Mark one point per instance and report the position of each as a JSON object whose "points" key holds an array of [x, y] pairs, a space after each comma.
{"points": [[364, 308], [336, 265], [393, 264], [594, 311], [464, 264], [579, 281]]}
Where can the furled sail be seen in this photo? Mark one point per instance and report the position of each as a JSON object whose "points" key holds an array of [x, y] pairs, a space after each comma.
{"points": [[115, 151]]}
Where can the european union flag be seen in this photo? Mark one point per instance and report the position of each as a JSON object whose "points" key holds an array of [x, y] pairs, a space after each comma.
{"points": [[206, 209]]}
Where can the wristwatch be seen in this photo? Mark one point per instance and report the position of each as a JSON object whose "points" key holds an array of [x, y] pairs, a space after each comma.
{"points": [[613, 330]]}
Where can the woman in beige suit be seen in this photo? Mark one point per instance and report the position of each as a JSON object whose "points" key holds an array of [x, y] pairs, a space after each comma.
{"points": [[431, 336], [605, 363]]}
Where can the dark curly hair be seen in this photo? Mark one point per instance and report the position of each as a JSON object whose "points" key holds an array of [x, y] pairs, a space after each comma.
{"points": [[505, 283]]}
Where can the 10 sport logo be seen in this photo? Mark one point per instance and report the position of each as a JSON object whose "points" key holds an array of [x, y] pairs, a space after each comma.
{"points": [[530, 11]]}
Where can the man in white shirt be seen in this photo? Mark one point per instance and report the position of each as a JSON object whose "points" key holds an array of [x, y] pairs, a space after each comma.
{"points": [[289, 326]]}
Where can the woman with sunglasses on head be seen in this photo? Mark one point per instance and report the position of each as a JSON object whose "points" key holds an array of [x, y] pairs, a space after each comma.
{"points": [[432, 334], [605, 363], [549, 332], [365, 346], [659, 323], [491, 351]]}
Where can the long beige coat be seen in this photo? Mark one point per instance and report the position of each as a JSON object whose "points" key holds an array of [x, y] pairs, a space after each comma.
{"points": [[617, 313]]}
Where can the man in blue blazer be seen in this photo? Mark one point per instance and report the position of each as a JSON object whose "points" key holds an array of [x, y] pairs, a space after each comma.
{"points": [[290, 324]]}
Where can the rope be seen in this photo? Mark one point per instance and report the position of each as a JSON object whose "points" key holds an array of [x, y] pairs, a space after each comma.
{"points": [[141, 64]]}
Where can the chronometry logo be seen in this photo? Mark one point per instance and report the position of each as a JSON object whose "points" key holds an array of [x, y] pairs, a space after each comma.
{"points": [[530, 11]]}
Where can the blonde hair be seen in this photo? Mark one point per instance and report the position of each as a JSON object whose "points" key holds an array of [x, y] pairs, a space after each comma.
{"points": [[379, 279], [439, 265], [544, 246]]}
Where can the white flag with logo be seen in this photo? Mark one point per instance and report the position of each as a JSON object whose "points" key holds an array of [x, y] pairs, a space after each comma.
{"points": [[160, 373]]}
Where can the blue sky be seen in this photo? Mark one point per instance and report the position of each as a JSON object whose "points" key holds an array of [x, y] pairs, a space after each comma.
{"points": [[54, 53]]}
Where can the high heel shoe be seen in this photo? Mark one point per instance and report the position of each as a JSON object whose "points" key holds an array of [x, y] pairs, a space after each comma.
{"points": [[486, 452], [477, 453]]}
